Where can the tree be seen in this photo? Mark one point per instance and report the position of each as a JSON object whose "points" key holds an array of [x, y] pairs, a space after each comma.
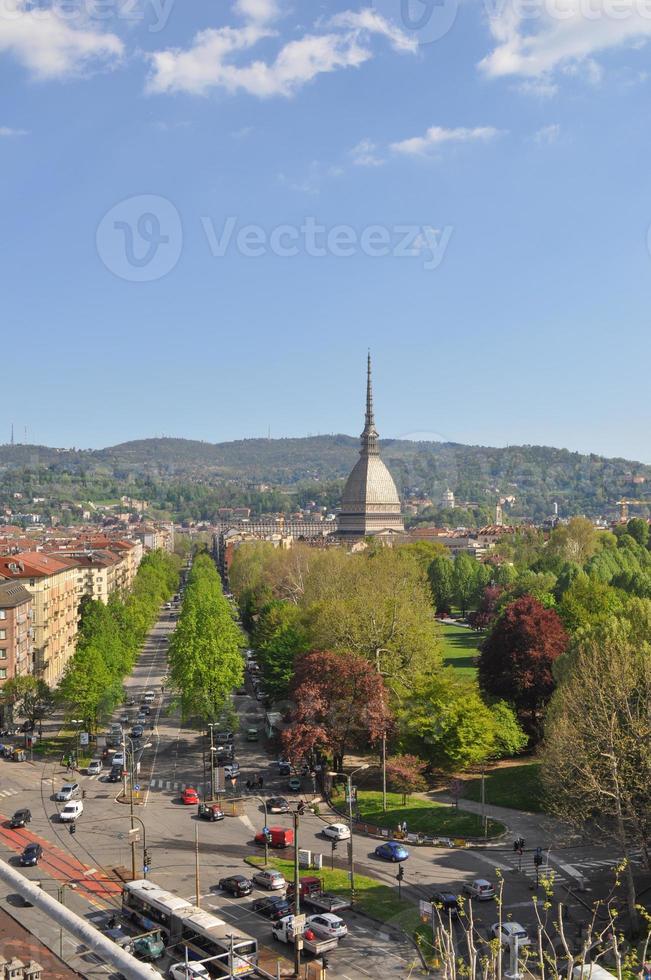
{"points": [[30, 696], [340, 703], [586, 601], [482, 618], [639, 531], [464, 580], [516, 659], [440, 580], [575, 541], [597, 761], [405, 775], [279, 637]]}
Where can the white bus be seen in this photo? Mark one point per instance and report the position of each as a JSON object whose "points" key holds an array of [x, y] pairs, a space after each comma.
{"points": [[228, 950]]}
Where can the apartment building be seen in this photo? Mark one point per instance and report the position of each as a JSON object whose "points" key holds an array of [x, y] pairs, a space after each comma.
{"points": [[15, 631], [51, 583]]}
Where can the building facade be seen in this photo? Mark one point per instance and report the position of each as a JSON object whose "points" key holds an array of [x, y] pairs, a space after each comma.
{"points": [[15, 631]]}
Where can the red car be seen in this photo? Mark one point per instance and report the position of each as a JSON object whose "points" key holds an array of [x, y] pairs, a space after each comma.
{"points": [[190, 796]]}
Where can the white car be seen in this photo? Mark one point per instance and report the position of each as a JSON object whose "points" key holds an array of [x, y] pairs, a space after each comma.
{"points": [[507, 931], [182, 971], [118, 759], [327, 925], [67, 791], [71, 811], [149, 697], [480, 889], [336, 831], [94, 767]]}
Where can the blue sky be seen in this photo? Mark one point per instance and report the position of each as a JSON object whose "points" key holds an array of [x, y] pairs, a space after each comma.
{"points": [[211, 210]]}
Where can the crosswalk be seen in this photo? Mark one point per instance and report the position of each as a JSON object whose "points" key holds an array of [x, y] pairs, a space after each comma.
{"points": [[9, 792], [172, 787]]}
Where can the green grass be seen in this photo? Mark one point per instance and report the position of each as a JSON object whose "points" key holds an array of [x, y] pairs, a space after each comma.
{"points": [[372, 897], [422, 816], [518, 787], [460, 647]]}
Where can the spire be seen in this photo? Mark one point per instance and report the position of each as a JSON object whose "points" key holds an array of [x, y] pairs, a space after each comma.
{"points": [[369, 436]]}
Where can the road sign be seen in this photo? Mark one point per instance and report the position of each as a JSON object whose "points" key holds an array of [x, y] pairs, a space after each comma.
{"points": [[298, 923], [145, 868], [83, 738], [137, 787]]}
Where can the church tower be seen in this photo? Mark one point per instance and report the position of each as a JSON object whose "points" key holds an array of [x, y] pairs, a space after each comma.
{"points": [[370, 502]]}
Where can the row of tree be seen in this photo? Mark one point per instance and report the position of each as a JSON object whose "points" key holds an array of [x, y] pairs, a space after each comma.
{"points": [[110, 638], [205, 652]]}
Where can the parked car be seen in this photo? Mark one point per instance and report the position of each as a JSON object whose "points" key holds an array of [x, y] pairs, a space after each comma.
{"points": [[252, 734], [236, 885], [31, 855], [272, 880], [448, 904], [137, 731], [294, 783], [225, 736], [336, 831], [327, 925], [190, 796], [67, 791], [144, 709], [187, 971], [94, 767], [149, 697], [393, 850], [20, 818], [272, 908], [480, 889], [507, 931], [71, 811], [118, 759], [278, 804]]}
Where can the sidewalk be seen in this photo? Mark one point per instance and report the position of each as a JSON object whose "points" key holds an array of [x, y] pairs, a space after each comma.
{"points": [[541, 827]]}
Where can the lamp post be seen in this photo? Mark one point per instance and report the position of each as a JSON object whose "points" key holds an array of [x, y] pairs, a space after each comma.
{"points": [[212, 762], [61, 897], [351, 865], [297, 896]]}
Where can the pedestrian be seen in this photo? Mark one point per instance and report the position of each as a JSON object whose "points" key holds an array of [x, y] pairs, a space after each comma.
{"points": [[404, 827], [260, 782], [248, 785]]}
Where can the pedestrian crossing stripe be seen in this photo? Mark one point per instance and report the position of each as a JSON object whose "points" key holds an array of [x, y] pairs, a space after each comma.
{"points": [[9, 792], [174, 787]]}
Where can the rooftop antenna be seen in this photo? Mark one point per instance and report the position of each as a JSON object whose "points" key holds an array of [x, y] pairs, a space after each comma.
{"points": [[25, 435], [12, 434]]}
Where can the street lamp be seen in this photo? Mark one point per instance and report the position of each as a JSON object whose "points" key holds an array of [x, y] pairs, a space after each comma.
{"points": [[349, 778]]}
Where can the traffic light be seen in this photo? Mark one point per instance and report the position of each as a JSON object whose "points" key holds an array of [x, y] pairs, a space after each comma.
{"points": [[538, 858], [268, 836], [72, 829], [334, 845], [146, 860], [401, 873]]}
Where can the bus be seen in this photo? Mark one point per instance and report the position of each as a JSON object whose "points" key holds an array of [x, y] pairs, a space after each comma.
{"points": [[225, 948]]}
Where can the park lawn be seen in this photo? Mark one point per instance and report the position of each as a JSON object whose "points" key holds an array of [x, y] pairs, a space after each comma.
{"points": [[422, 816], [518, 787], [460, 647], [371, 896]]}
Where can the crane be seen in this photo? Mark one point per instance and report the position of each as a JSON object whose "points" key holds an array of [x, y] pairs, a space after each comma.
{"points": [[625, 503]]}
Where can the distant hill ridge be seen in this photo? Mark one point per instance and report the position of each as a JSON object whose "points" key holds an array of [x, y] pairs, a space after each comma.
{"points": [[535, 475]]}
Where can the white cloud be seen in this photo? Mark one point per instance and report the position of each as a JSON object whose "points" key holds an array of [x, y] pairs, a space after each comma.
{"points": [[562, 36], [45, 43], [8, 131], [547, 135], [365, 154], [260, 11], [214, 59], [436, 136]]}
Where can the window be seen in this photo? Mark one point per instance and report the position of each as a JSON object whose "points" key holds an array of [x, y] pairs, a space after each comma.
{"points": [[3, 673], [3, 653], [3, 634], [3, 613]]}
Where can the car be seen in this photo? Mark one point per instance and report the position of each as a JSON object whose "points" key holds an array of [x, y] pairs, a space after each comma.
{"points": [[144, 709], [67, 791], [137, 731], [284, 768], [190, 796], [273, 880], [94, 767], [224, 737], [149, 697], [327, 926], [232, 770], [31, 855], [187, 971], [71, 811], [272, 908], [260, 696], [507, 931], [278, 804], [115, 775], [120, 938], [447, 903], [336, 831], [119, 759], [124, 720], [20, 818], [236, 885], [393, 850], [130, 701], [141, 719], [294, 783], [168, 605], [480, 888], [252, 734]]}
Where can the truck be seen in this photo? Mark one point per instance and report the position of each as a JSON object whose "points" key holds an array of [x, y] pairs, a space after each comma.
{"points": [[312, 895], [279, 837], [283, 931]]}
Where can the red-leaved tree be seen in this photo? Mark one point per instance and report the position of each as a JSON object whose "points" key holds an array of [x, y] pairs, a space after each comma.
{"points": [[339, 703], [516, 658], [405, 775], [483, 617]]}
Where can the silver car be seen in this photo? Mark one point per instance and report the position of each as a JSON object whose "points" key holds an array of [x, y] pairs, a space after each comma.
{"points": [[67, 791]]}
